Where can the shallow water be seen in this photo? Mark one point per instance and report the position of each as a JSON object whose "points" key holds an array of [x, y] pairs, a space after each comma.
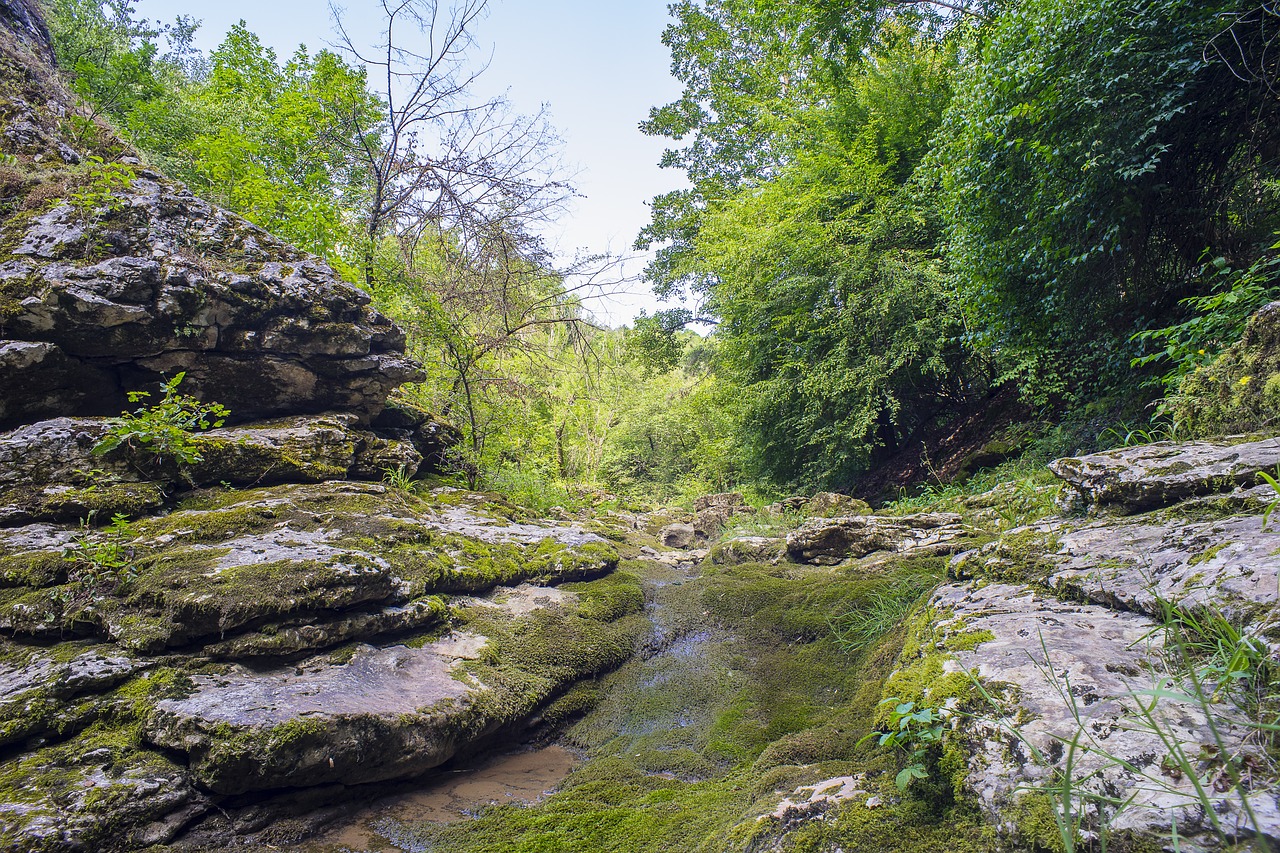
{"points": [[521, 777]]}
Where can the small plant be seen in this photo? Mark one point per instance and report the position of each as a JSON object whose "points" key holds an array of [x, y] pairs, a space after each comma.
{"points": [[163, 430], [1274, 483], [914, 731], [880, 612], [1125, 435], [399, 478], [101, 559]]}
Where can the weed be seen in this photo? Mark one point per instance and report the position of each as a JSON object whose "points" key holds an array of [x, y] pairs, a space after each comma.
{"points": [[879, 612], [399, 478], [1274, 483], [101, 559], [1125, 435], [163, 430], [915, 731]]}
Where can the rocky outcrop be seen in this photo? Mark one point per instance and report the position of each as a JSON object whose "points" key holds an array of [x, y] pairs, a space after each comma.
{"points": [[821, 505], [827, 541], [361, 633], [1134, 479], [273, 332], [1090, 682], [113, 277], [1080, 631]]}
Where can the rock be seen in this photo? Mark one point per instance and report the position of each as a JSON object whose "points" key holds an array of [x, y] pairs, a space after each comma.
{"points": [[748, 549], [97, 791], [677, 535], [1134, 479], [386, 713], [36, 687], [723, 500], [48, 471], [433, 438], [827, 541], [809, 801], [1239, 391], [39, 380], [292, 637], [162, 282], [294, 560], [1067, 673], [1227, 565], [795, 503], [831, 504], [712, 512]]}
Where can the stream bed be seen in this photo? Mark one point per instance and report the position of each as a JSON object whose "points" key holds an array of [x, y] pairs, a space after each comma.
{"points": [[516, 777]]}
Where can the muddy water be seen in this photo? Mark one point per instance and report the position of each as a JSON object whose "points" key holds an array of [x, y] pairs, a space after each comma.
{"points": [[522, 777]]}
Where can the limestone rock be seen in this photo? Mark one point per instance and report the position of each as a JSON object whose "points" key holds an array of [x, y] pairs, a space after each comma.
{"points": [[48, 470], [831, 504], [827, 541], [1228, 565], [433, 438], [155, 281], [712, 512], [386, 713], [1100, 664], [97, 792], [677, 535], [1133, 479], [748, 549]]}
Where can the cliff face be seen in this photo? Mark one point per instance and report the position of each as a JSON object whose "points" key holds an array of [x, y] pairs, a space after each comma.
{"points": [[112, 277]]}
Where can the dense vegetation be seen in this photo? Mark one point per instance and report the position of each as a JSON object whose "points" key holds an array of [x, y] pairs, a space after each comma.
{"points": [[895, 211]]}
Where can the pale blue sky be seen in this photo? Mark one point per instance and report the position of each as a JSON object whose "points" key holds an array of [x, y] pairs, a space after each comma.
{"points": [[598, 65]]}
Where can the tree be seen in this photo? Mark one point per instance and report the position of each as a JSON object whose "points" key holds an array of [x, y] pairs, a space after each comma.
{"points": [[823, 269], [434, 159], [1091, 157]]}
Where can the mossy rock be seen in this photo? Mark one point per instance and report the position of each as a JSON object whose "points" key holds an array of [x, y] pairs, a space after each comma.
{"points": [[1239, 391]]}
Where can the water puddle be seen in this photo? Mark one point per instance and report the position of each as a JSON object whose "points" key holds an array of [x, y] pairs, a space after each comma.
{"points": [[522, 777]]}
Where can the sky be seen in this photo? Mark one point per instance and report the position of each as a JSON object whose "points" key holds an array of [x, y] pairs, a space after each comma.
{"points": [[599, 65]]}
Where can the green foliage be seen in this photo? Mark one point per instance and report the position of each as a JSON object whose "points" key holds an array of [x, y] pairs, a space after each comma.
{"points": [[101, 560], [163, 430], [100, 193], [1090, 153], [914, 731], [1274, 483], [821, 262], [1218, 318]]}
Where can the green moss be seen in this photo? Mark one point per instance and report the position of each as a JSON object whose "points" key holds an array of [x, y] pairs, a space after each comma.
{"points": [[33, 569], [1035, 825], [1207, 554], [922, 675], [1024, 557], [1239, 391]]}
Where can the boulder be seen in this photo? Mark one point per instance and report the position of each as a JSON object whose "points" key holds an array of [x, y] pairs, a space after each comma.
{"points": [[748, 549], [712, 512], [1134, 479], [827, 541], [831, 504], [677, 535]]}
